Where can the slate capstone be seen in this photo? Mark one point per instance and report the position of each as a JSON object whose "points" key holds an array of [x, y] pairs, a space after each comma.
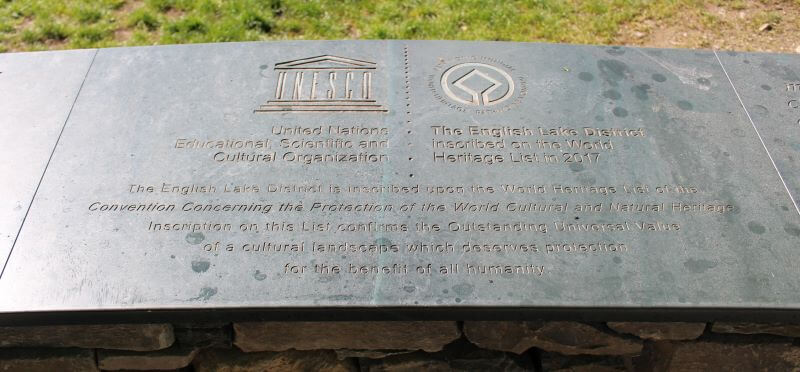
{"points": [[404, 178]]}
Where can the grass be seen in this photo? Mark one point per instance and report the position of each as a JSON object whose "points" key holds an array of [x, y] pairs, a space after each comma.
{"points": [[54, 24]]}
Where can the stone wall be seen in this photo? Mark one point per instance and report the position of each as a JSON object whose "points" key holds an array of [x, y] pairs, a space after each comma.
{"points": [[403, 346]]}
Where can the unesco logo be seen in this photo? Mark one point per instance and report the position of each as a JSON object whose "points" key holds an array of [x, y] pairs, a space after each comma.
{"points": [[324, 83], [477, 85]]}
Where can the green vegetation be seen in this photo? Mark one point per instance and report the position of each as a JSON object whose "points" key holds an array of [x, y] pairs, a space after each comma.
{"points": [[59, 24], [48, 24]]}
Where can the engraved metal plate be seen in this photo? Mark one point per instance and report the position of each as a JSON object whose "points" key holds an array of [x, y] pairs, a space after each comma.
{"points": [[410, 178]]}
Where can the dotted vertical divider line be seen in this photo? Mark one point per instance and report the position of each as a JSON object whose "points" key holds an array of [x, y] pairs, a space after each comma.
{"points": [[407, 77], [407, 91]]}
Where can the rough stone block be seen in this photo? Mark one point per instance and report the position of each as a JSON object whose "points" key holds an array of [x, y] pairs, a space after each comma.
{"points": [[47, 360], [138, 337], [232, 360], [171, 358], [367, 335], [460, 355], [406, 363], [658, 331], [722, 356], [554, 362], [368, 354], [788, 330], [562, 337], [419, 361], [219, 337]]}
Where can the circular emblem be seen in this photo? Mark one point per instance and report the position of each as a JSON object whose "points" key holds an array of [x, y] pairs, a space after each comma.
{"points": [[477, 84]]}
